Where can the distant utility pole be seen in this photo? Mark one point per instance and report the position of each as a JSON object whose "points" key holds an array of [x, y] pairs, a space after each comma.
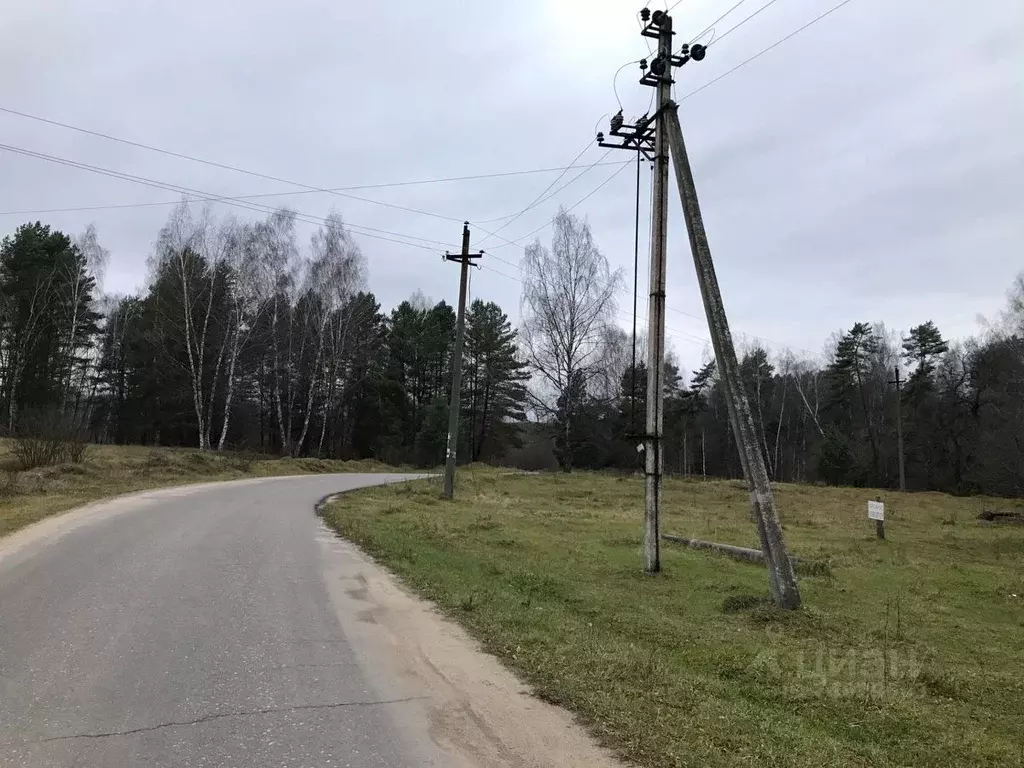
{"points": [[464, 259], [899, 429]]}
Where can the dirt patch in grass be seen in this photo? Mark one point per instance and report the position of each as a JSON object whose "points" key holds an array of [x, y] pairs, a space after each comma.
{"points": [[907, 653]]}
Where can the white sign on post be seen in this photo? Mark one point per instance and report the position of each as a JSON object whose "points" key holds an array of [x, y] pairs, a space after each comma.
{"points": [[876, 510]]}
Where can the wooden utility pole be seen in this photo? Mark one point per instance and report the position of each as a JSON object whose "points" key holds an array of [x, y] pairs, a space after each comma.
{"points": [[781, 577], [899, 429], [460, 328]]}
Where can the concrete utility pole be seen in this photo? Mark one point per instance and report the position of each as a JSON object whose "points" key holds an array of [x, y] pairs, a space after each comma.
{"points": [[899, 429], [648, 137], [780, 569], [654, 460], [460, 328]]}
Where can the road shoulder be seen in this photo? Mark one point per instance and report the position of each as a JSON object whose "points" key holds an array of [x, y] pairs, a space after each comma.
{"points": [[476, 709]]}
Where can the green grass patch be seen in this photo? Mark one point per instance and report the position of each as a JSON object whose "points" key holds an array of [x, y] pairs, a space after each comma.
{"points": [[908, 651], [31, 495]]}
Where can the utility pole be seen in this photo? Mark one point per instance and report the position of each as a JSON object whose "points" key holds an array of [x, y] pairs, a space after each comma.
{"points": [[654, 461], [460, 329], [648, 137], [667, 139], [899, 429], [781, 577]]}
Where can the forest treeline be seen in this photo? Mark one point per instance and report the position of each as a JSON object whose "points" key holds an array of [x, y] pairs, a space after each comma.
{"points": [[246, 338]]}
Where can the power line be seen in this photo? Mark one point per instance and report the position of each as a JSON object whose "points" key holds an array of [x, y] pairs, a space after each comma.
{"points": [[762, 52], [378, 234], [236, 200], [748, 18], [308, 218], [289, 193], [371, 232], [571, 207], [192, 158], [308, 187], [615, 77], [537, 199], [545, 197], [209, 197], [676, 332], [550, 196], [711, 26]]}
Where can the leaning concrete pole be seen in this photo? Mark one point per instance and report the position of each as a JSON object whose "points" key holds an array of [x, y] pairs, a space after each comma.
{"points": [[780, 570]]}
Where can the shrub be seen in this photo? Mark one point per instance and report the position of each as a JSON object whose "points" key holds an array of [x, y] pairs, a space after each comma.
{"points": [[9, 484], [45, 438], [76, 448]]}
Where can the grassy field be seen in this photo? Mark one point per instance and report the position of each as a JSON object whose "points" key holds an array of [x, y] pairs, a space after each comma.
{"points": [[28, 496], [908, 652]]}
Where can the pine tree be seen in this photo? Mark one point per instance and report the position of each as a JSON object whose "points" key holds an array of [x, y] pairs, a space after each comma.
{"points": [[923, 346], [47, 319], [494, 383], [848, 375]]}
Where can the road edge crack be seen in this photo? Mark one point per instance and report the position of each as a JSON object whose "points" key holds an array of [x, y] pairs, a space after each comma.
{"points": [[220, 716]]}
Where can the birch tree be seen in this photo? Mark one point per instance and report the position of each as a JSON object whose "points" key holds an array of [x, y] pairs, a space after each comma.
{"points": [[335, 274], [189, 258], [242, 259], [83, 272], [567, 307], [276, 268]]}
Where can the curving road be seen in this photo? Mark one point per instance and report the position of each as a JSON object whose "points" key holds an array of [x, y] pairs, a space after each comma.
{"points": [[196, 627]]}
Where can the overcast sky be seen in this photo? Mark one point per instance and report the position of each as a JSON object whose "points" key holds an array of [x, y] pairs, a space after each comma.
{"points": [[870, 168]]}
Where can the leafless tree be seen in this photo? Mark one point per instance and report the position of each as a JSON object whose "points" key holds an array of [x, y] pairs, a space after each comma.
{"points": [[192, 249], [614, 359], [336, 271], [76, 376], [17, 349], [241, 256], [806, 377], [567, 306], [277, 268]]}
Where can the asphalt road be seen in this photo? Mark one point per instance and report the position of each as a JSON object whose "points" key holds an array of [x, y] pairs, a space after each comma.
{"points": [[194, 627]]}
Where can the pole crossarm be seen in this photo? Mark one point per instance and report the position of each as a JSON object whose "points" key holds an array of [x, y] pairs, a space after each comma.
{"points": [[458, 257], [640, 136], [637, 137]]}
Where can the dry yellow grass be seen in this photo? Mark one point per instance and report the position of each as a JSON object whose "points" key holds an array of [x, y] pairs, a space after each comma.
{"points": [[28, 496]]}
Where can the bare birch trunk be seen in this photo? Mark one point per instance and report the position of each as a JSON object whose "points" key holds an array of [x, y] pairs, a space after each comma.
{"points": [[703, 455], [778, 432], [229, 391], [195, 375], [213, 393], [811, 411], [313, 377], [276, 394]]}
